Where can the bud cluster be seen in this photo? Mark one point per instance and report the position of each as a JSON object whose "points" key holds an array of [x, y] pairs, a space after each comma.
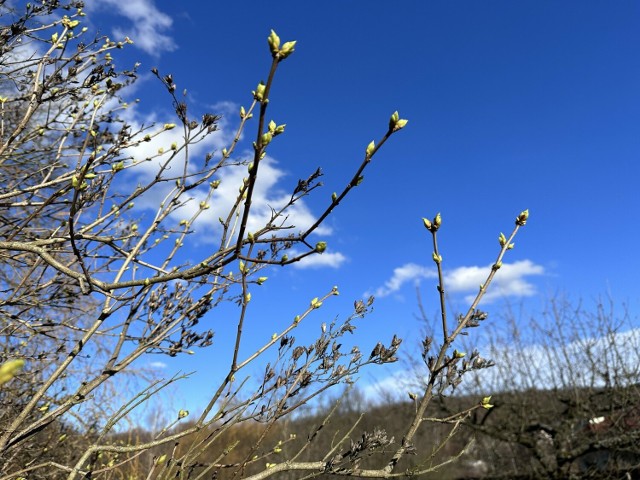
{"points": [[279, 52]]}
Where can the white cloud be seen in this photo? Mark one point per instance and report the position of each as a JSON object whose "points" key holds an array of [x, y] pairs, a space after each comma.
{"points": [[326, 259], [409, 272], [147, 26], [270, 193], [508, 282], [157, 365]]}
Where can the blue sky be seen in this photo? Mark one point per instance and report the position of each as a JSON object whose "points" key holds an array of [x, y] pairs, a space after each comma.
{"points": [[511, 105]]}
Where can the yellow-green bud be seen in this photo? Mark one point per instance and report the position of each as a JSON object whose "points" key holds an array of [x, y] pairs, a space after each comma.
{"points": [[502, 239], [243, 113], [321, 247], [258, 93], [274, 42], [287, 49], [437, 221], [522, 218], [272, 126], [436, 258], [266, 138], [10, 369], [393, 120], [261, 280], [334, 196], [183, 413], [457, 354], [400, 124], [169, 126], [370, 148], [427, 223]]}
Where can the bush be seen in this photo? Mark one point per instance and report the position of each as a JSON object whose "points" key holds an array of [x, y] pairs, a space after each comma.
{"points": [[90, 286]]}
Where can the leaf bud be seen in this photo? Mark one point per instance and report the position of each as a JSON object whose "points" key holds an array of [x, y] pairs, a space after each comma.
{"points": [[334, 196], [258, 93], [287, 49], [321, 247], [274, 42], [370, 148], [10, 369], [521, 220], [437, 221], [502, 239], [261, 280]]}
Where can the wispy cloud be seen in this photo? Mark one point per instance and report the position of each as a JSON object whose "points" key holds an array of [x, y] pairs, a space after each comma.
{"points": [[270, 193], [509, 282], [327, 259], [410, 272], [147, 27], [157, 365]]}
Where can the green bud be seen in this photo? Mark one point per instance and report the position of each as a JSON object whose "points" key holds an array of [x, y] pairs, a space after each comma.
{"points": [[436, 258], [258, 93], [437, 221], [522, 218], [10, 369], [183, 413], [393, 120], [272, 126], [497, 265], [274, 42], [334, 196], [321, 247], [287, 49], [400, 124], [169, 126], [261, 280], [243, 113], [427, 223], [370, 148], [502, 239], [266, 138]]}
